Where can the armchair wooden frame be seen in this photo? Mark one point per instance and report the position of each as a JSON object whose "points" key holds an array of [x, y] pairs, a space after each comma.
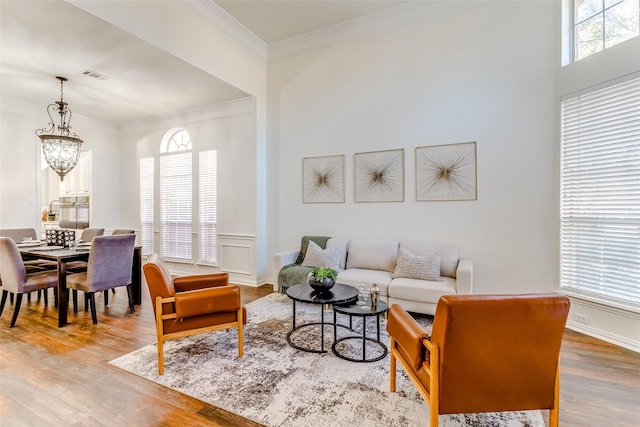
{"points": [[162, 337]]}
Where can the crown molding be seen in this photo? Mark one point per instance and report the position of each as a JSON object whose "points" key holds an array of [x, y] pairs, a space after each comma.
{"points": [[366, 24], [227, 23], [199, 114]]}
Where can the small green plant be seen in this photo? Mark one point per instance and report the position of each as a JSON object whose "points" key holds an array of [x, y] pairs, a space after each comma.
{"points": [[324, 273]]}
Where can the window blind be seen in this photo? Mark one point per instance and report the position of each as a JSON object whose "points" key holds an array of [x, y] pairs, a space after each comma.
{"points": [[175, 199], [208, 187], [600, 195], [146, 204]]}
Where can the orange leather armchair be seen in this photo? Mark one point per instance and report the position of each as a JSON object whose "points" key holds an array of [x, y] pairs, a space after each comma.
{"points": [[486, 353], [192, 304]]}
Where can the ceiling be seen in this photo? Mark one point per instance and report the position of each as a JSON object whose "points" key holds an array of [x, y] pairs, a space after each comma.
{"points": [[32, 54], [273, 21]]}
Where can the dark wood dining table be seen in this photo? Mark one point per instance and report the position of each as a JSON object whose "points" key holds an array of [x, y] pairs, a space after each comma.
{"points": [[65, 255]]}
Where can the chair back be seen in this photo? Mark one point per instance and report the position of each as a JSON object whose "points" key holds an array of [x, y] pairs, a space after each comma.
{"points": [[88, 234], [158, 279], [498, 352], [110, 262], [12, 269], [122, 231], [18, 234]]}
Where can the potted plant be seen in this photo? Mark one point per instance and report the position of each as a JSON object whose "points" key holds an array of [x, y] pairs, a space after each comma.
{"points": [[322, 279]]}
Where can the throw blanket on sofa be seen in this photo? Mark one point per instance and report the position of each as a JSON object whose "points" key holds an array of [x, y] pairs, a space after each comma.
{"points": [[293, 274]]}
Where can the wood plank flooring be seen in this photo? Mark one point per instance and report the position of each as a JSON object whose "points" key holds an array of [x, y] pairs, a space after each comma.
{"points": [[52, 376]]}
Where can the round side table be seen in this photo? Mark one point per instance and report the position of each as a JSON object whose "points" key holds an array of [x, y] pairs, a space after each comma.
{"points": [[363, 311]]}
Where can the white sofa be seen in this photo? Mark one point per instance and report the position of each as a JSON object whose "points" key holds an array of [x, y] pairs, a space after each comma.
{"points": [[374, 261]]}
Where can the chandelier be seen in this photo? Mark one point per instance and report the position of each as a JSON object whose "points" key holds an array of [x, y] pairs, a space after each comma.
{"points": [[62, 150]]}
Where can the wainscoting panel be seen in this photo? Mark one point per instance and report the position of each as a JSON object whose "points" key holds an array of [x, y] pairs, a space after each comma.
{"points": [[237, 257]]}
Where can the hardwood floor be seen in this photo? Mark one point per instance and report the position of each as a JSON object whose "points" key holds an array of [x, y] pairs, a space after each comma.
{"points": [[52, 376]]}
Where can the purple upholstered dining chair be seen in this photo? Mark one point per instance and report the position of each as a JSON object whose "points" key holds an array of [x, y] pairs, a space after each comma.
{"points": [[109, 266], [122, 231], [15, 279]]}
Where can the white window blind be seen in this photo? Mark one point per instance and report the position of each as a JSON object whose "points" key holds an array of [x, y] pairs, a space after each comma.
{"points": [[146, 204], [600, 195], [176, 210], [208, 190]]}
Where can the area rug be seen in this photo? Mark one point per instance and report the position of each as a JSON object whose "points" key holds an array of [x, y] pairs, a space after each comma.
{"points": [[276, 385]]}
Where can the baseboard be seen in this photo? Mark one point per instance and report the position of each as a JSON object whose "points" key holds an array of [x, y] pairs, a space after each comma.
{"points": [[605, 336]]}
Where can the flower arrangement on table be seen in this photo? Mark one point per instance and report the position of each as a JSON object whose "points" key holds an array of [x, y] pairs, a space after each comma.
{"points": [[322, 279]]}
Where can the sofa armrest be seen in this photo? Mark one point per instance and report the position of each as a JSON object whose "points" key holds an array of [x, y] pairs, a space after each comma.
{"points": [[464, 277], [281, 259]]}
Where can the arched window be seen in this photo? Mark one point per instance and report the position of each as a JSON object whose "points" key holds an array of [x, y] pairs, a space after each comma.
{"points": [[184, 175]]}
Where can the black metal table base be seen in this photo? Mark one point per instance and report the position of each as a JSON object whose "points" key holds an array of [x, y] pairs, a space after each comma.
{"points": [[364, 359], [307, 349]]}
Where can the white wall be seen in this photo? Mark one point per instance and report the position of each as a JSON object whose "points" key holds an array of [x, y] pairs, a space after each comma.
{"points": [[479, 72], [207, 44], [20, 162], [231, 129]]}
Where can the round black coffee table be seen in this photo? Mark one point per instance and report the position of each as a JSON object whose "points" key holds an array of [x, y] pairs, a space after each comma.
{"points": [[363, 311], [338, 294]]}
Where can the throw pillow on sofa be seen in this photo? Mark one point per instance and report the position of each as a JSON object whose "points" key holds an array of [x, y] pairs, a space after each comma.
{"points": [[322, 258], [424, 267], [320, 240]]}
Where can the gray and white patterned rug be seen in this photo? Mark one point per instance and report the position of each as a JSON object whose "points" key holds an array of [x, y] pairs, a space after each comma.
{"points": [[277, 385]]}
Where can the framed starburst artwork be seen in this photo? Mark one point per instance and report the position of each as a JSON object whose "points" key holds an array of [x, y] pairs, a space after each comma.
{"points": [[446, 172], [379, 176], [323, 179]]}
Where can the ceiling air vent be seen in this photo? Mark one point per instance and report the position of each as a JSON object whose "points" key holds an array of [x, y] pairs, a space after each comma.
{"points": [[95, 75]]}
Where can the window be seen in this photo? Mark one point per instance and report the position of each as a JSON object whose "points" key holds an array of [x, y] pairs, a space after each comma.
{"points": [[600, 194], [175, 205], [600, 24], [185, 229], [208, 206], [146, 204]]}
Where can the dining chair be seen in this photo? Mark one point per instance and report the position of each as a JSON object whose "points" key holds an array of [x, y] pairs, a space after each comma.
{"points": [[122, 231], [485, 353], [88, 234], [18, 235], [190, 305], [15, 279], [109, 266]]}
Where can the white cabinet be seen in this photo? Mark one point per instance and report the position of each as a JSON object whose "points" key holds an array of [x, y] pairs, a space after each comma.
{"points": [[78, 180]]}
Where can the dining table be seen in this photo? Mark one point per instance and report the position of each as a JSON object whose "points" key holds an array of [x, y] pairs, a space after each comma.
{"points": [[63, 255]]}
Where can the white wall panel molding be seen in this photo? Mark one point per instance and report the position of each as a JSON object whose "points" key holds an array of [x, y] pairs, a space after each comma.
{"points": [[237, 254]]}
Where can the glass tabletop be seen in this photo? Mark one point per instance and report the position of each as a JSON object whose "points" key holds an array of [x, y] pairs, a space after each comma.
{"points": [[362, 310], [338, 294]]}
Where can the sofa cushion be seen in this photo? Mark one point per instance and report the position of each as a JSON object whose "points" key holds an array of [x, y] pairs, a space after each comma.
{"points": [[357, 277], [373, 254], [322, 258], [448, 255], [421, 290], [320, 240], [342, 244], [424, 266]]}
